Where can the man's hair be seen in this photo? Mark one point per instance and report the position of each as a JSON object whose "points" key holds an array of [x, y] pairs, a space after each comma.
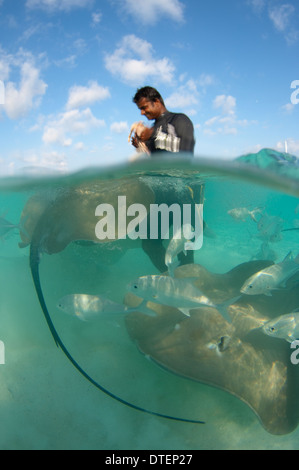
{"points": [[149, 93]]}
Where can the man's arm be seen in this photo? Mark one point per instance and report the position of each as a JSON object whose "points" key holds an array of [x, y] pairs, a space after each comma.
{"points": [[185, 131]]}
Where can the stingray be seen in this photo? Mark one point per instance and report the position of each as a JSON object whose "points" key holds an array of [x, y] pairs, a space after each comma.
{"points": [[235, 357], [69, 216]]}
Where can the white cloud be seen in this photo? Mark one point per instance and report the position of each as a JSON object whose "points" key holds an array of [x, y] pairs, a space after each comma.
{"points": [[4, 68], [206, 80], [19, 100], [281, 16], [153, 10], [134, 62], [24, 87], [33, 161], [184, 97], [119, 127], [187, 96], [96, 18], [69, 61], [62, 128], [227, 104], [58, 5], [288, 108], [226, 123], [80, 96], [257, 5], [79, 146], [46, 159], [66, 125], [212, 121]]}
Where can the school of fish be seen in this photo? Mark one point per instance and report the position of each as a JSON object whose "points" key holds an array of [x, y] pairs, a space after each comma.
{"points": [[182, 294]]}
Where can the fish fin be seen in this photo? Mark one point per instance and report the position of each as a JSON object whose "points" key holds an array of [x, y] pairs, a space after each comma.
{"points": [[143, 308], [185, 311], [253, 216], [268, 294], [81, 317], [224, 313], [291, 339], [289, 256], [223, 308], [172, 267]]}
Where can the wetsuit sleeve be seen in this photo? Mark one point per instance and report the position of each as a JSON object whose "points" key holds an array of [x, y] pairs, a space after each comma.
{"points": [[185, 131]]}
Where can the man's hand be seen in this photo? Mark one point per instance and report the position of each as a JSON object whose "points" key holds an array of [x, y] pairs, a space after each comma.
{"points": [[139, 134], [135, 141], [146, 134]]}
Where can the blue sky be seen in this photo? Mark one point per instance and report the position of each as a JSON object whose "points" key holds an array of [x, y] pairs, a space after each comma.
{"points": [[71, 67]]}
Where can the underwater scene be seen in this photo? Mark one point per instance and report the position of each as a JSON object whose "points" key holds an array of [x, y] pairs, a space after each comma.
{"points": [[153, 305]]}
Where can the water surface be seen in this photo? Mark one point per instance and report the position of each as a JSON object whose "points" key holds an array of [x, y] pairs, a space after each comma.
{"points": [[45, 402]]}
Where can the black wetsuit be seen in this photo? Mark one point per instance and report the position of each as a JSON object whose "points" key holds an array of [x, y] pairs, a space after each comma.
{"points": [[173, 132]]}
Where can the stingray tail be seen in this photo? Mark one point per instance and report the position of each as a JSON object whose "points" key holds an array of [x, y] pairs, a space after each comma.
{"points": [[34, 266]]}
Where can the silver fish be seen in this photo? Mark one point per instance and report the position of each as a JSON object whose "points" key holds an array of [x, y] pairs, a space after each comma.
{"points": [[178, 293], [241, 213], [285, 327], [177, 245], [270, 228], [263, 282], [88, 307], [266, 253]]}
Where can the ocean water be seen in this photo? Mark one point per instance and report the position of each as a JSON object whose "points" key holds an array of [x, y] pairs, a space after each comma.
{"points": [[46, 402]]}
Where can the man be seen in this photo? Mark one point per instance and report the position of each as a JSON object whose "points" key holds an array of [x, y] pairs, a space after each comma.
{"points": [[171, 132]]}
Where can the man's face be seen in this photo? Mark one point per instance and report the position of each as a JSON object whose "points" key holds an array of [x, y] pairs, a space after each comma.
{"points": [[150, 109]]}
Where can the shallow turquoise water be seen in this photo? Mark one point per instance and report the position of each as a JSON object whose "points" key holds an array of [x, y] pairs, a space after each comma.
{"points": [[45, 403]]}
